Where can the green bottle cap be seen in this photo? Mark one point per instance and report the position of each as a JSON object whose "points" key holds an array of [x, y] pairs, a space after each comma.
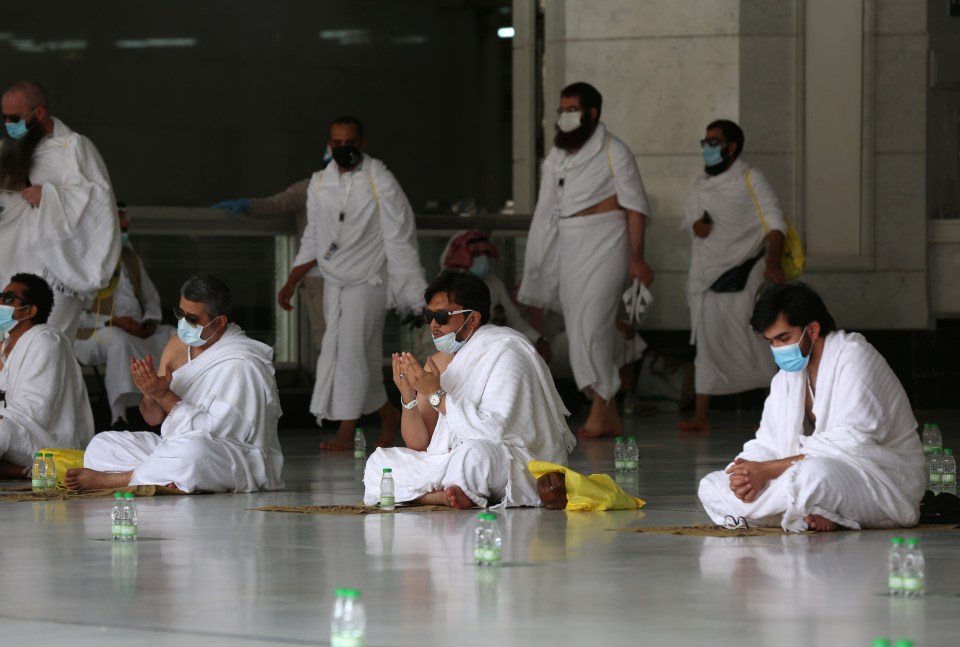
{"points": [[387, 470], [128, 495], [948, 451], [897, 540], [619, 438], [913, 541], [118, 495], [903, 643], [881, 642], [38, 455], [48, 455]]}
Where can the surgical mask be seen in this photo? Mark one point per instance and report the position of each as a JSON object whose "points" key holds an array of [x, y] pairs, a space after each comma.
{"points": [[568, 121], [18, 129], [346, 156], [7, 322], [712, 155], [449, 343], [790, 358], [481, 266], [124, 239], [190, 335]]}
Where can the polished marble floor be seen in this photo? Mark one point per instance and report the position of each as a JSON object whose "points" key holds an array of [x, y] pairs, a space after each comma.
{"points": [[208, 570]]}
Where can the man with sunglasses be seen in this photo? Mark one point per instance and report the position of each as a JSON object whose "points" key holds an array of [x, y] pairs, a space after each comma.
{"points": [[730, 238], [216, 400], [43, 400], [58, 220], [362, 236], [480, 409], [586, 240]]}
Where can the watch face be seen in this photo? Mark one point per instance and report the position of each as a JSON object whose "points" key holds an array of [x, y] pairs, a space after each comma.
{"points": [[435, 399]]}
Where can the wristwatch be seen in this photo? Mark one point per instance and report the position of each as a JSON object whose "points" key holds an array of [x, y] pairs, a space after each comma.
{"points": [[435, 397], [408, 405]]}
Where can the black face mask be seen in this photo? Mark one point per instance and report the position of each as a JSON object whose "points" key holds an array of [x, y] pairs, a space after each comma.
{"points": [[346, 156]]}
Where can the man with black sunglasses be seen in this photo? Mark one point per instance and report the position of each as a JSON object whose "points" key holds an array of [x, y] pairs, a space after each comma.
{"points": [[45, 402], [59, 219]]}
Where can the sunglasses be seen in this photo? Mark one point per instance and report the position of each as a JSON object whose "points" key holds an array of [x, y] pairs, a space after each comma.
{"points": [[193, 321], [711, 141], [7, 298], [441, 316]]}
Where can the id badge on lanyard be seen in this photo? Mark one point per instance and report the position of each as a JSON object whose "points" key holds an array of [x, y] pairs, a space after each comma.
{"points": [[344, 196]]}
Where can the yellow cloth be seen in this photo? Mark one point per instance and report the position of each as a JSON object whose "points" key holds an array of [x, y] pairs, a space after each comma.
{"points": [[65, 459], [594, 492]]}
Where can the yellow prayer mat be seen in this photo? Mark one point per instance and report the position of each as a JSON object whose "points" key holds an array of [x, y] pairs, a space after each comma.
{"points": [[709, 530], [25, 493], [594, 492], [349, 509]]}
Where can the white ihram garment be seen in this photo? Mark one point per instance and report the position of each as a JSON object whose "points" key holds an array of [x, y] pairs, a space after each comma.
{"points": [[46, 399], [221, 437], [502, 411], [864, 465]]}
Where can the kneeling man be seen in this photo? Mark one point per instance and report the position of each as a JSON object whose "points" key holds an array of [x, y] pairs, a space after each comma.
{"points": [[216, 398], [43, 400], [837, 444], [476, 414]]}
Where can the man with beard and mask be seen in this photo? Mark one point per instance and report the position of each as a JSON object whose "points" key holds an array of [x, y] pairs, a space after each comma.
{"points": [[58, 218], [123, 325], [362, 236], [586, 240], [722, 214], [475, 414]]}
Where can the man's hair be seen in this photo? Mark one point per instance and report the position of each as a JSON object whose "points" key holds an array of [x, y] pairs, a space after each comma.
{"points": [[799, 304], [32, 91], [348, 120], [589, 96], [210, 291], [731, 132], [464, 288], [37, 293]]}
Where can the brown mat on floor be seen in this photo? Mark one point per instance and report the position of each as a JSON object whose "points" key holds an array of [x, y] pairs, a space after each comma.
{"points": [[349, 509], [708, 530], [25, 493]]}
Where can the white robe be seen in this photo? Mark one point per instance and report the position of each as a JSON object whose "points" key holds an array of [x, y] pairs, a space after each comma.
{"points": [[46, 399], [731, 357], [221, 437], [864, 464], [73, 238], [502, 411]]}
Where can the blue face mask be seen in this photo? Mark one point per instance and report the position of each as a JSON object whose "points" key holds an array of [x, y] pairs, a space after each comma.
{"points": [[481, 266], [449, 343], [7, 322], [790, 358], [17, 129], [712, 155], [190, 335]]}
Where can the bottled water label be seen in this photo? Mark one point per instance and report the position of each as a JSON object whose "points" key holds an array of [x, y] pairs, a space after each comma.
{"points": [[38, 484], [387, 501], [948, 479], [618, 465], [912, 584], [116, 530], [359, 454], [128, 530], [631, 466], [490, 555], [895, 583], [478, 554], [935, 478], [346, 640]]}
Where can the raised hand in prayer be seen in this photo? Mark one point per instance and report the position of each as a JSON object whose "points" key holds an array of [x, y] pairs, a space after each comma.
{"points": [[407, 392], [146, 379], [423, 379]]}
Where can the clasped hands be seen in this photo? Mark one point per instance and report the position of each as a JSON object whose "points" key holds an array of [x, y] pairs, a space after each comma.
{"points": [[146, 379], [748, 479], [412, 378]]}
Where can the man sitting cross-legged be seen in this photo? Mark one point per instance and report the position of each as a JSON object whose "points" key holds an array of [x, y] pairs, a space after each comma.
{"points": [[216, 399], [476, 414]]}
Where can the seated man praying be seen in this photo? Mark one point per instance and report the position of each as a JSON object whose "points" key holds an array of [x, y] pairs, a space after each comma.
{"points": [[216, 399], [43, 400], [482, 407], [837, 444]]}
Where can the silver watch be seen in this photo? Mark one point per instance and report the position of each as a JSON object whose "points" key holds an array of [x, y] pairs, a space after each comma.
{"points": [[435, 397]]}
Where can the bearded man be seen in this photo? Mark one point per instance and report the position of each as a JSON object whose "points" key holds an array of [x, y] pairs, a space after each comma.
{"points": [[57, 213], [586, 239]]}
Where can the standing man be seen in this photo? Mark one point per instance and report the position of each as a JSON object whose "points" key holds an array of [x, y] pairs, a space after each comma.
{"points": [[362, 236], [58, 201], [735, 221], [585, 241]]}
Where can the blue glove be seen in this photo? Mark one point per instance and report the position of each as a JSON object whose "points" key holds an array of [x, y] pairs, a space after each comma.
{"points": [[236, 207]]}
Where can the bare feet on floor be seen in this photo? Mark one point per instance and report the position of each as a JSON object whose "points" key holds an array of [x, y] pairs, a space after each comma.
{"points": [[341, 443], [694, 424], [820, 524], [457, 499], [83, 478]]}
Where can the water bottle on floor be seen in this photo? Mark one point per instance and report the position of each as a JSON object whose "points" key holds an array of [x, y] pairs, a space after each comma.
{"points": [[895, 570], [359, 445], [50, 469], [38, 474], [488, 544], [116, 523], [349, 624], [913, 570], [949, 481], [931, 437], [936, 470], [619, 455], [480, 538], [387, 500], [633, 455], [132, 519]]}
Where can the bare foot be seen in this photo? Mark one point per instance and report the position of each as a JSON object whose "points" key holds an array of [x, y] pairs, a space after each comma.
{"points": [[586, 433], [341, 443], [693, 424], [82, 478], [820, 524], [457, 499]]}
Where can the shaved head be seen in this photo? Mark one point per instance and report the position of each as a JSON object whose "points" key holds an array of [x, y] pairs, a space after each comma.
{"points": [[32, 91]]}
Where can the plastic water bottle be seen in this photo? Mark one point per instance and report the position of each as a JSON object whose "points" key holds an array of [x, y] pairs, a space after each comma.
{"points": [[936, 470], [619, 455], [913, 575], [895, 571], [949, 481], [633, 455], [931, 437], [387, 500], [480, 538], [349, 624], [50, 468], [359, 445], [488, 544], [116, 524], [132, 519], [38, 474]]}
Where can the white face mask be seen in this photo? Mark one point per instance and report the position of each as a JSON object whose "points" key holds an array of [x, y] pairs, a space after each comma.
{"points": [[449, 343], [569, 121]]}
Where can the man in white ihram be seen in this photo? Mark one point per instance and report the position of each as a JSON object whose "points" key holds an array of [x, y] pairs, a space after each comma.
{"points": [[837, 444], [216, 399], [482, 408], [58, 218]]}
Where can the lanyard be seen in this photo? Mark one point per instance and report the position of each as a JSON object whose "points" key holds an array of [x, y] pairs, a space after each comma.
{"points": [[344, 197]]}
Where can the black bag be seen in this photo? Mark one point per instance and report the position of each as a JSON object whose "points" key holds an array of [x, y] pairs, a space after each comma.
{"points": [[735, 279]]}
